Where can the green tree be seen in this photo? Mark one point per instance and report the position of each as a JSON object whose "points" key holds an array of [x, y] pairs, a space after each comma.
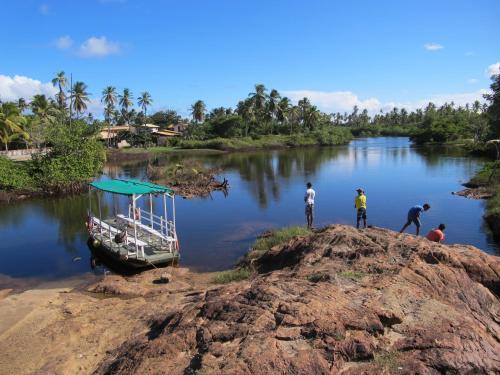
{"points": [[145, 101], [493, 111], [44, 109], [79, 98], [109, 100], [126, 102], [11, 124], [61, 82], [198, 110], [258, 97]]}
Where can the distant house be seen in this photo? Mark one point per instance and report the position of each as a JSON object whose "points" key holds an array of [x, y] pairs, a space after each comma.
{"points": [[151, 127], [111, 132], [167, 133], [178, 128]]}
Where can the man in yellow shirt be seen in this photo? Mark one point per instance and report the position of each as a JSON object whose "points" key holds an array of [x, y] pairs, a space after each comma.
{"points": [[360, 205]]}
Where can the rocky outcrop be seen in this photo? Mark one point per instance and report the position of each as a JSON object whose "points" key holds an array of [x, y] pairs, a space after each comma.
{"points": [[339, 301]]}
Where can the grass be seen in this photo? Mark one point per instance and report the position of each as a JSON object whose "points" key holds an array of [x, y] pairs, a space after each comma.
{"points": [[387, 362], [353, 275], [275, 237], [333, 137], [489, 177], [493, 204], [229, 276]]}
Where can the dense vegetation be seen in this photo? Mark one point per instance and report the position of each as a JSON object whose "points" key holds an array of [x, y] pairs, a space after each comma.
{"points": [[262, 120], [263, 114], [69, 150]]}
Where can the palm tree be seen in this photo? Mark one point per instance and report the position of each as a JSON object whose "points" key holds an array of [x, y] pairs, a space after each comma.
{"points": [[11, 124], [144, 101], [109, 99], [61, 82], [245, 109], [22, 104], [272, 105], [80, 97], [282, 111], [125, 102], [258, 97], [198, 111]]}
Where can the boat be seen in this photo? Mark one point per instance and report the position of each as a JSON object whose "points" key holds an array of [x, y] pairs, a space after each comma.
{"points": [[138, 238]]}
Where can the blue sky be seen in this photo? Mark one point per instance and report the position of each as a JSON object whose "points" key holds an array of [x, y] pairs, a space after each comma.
{"points": [[371, 53]]}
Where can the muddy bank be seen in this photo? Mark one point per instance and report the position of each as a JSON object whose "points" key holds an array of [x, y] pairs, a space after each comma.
{"points": [[337, 301], [7, 196], [475, 193]]}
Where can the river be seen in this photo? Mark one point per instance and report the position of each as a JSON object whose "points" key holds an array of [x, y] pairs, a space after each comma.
{"points": [[45, 239]]}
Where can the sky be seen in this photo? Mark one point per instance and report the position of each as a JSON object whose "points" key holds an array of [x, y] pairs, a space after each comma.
{"points": [[374, 54]]}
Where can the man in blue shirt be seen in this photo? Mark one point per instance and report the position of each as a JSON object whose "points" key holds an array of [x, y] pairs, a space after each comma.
{"points": [[414, 217]]}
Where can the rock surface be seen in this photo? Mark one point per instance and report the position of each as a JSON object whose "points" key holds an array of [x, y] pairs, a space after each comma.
{"points": [[339, 301]]}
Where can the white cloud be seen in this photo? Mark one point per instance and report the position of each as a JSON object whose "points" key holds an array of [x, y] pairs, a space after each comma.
{"points": [[344, 101], [469, 53], [43, 9], [99, 47], [433, 46], [334, 100], [472, 81], [493, 69], [13, 88], [64, 42]]}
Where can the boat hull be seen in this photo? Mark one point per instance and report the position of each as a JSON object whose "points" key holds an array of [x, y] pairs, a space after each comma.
{"points": [[109, 256]]}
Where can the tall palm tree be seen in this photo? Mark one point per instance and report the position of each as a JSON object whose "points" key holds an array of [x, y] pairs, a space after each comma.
{"points": [[126, 102], [80, 97], [11, 124], [198, 111], [272, 105], [145, 101], [61, 82], [109, 99], [258, 97], [282, 111]]}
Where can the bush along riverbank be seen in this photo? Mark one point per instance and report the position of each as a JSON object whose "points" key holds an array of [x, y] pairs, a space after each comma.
{"points": [[486, 185], [324, 137], [76, 156]]}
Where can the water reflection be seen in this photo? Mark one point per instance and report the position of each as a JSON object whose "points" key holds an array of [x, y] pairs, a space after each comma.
{"points": [[41, 238]]}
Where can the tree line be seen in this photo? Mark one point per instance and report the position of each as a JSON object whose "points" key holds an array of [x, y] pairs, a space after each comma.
{"points": [[261, 113]]}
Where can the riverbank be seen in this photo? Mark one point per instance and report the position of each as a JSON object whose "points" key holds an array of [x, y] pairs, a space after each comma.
{"points": [[353, 301], [265, 142], [486, 185]]}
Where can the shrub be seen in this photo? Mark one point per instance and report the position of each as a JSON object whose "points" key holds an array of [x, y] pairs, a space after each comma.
{"points": [[15, 175], [237, 274]]}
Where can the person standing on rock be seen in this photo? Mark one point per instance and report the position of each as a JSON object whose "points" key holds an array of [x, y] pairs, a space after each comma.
{"points": [[360, 205], [309, 200], [414, 217], [437, 235]]}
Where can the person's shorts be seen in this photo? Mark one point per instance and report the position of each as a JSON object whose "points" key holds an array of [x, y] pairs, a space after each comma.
{"points": [[309, 209], [413, 219], [362, 213]]}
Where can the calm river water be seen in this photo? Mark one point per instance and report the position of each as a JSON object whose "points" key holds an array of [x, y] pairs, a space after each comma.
{"points": [[45, 239]]}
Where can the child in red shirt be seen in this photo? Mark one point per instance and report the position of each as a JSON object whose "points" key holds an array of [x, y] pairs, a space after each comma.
{"points": [[437, 235]]}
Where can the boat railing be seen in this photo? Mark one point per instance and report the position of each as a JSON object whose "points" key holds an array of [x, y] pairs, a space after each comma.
{"points": [[155, 222], [108, 233]]}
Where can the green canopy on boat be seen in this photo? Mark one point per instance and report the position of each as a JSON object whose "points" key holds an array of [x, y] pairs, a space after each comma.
{"points": [[130, 187]]}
